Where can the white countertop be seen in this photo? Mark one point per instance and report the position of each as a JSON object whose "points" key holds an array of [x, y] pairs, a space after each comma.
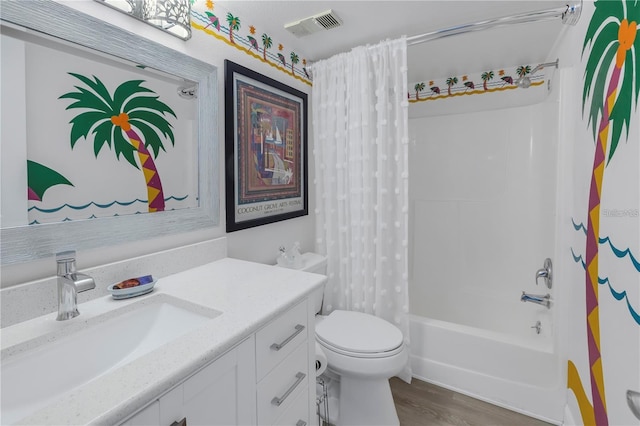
{"points": [[248, 294]]}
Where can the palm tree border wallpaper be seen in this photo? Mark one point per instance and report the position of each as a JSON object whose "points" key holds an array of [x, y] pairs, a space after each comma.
{"points": [[477, 83], [610, 93], [206, 17]]}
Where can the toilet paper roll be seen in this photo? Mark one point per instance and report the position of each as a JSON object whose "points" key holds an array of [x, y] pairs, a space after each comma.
{"points": [[321, 360]]}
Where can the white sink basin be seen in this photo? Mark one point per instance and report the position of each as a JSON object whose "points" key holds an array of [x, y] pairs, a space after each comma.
{"points": [[62, 362]]}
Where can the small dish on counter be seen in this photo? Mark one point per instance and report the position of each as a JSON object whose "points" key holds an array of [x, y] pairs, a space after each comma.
{"points": [[126, 293]]}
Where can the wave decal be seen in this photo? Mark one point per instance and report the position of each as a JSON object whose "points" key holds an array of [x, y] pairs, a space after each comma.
{"points": [[578, 259], [618, 295], [102, 206], [579, 226], [619, 253]]}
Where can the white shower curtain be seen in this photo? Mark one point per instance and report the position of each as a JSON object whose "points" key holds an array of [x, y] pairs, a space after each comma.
{"points": [[360, 134]]}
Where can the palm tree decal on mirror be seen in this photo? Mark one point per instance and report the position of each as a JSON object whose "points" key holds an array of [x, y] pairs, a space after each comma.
{"points": [[132, 121], [614, 49]]}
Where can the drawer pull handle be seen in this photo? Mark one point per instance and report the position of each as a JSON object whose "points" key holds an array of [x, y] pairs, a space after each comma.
{"points": [[301, 423], [182, 422], [278, 346], [278, 401]]}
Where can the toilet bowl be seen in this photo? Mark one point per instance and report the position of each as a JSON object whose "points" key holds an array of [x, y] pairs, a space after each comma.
{"points": [[364, 351]]}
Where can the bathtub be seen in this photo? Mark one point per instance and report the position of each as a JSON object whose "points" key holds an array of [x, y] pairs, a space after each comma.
{"points": [[521, 373]]}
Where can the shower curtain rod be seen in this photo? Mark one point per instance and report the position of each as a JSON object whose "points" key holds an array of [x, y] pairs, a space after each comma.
{"points": [[570, 14]]}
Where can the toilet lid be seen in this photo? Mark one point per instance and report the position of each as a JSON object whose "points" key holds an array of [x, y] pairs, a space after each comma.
{"points": [[357, 332]]}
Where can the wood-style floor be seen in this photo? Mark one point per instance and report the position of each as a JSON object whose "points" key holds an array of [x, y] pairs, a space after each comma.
{"points": [[425, 404]]}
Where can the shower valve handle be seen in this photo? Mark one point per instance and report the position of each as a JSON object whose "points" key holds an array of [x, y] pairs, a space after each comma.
{"points": [[546, 273]]}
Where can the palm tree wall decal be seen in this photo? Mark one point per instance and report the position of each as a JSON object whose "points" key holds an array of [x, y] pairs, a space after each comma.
{"points": [[523, 70], [486, 76], [133, 111], [419, 88], [234, 25], [294, 60], [266, 44], [611, 35], [451, 81]]}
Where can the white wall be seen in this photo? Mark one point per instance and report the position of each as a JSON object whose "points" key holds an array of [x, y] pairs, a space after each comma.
{"points": [[482, 193], [256, 244]]}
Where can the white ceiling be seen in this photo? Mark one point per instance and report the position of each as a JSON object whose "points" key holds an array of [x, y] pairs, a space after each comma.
{"points": [[368, 22]]}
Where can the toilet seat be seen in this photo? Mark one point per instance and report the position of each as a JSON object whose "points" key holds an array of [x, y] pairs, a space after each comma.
{"points": [[359, 335]]}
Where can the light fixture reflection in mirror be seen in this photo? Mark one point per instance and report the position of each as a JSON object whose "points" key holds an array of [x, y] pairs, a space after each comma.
{"points": [[172, 16]]}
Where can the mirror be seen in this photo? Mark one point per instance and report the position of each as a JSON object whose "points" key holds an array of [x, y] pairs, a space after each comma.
{"points": [[50, 25]]}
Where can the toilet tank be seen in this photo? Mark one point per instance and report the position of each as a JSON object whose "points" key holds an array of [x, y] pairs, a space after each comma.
{"points": [[317, 264], [314, 262]]}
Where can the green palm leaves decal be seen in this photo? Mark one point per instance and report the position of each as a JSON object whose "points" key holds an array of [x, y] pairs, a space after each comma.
{"points": [[40, 178], [611, 22], [132, 121]]}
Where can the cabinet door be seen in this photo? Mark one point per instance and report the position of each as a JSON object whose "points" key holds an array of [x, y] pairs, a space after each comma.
{"points": [[223, 393]]}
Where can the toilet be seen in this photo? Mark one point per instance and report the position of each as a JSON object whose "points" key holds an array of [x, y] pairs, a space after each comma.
{"points": [[363, 352]]}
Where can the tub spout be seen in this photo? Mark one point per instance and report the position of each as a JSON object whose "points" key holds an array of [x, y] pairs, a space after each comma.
{"points": [[540, 299]]}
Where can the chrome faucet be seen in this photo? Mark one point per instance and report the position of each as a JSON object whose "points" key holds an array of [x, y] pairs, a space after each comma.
{"points": [[540, 299], [70, 283]]}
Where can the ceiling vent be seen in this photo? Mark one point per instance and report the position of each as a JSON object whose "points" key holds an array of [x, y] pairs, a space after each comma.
{"points": [[322, 21]]}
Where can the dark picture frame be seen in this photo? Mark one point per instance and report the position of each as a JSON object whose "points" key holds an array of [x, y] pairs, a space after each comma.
{"points": [[265, 149]]}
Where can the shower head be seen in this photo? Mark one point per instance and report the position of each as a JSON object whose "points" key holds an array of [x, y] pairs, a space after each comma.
{"points": [[524, 81]]}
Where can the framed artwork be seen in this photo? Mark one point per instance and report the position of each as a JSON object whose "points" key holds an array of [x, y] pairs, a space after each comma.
{"points": [[265, 149]]}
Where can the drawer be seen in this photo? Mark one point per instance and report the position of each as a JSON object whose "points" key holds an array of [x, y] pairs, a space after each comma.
{"points": [[279, 338], [282, 386], [298, 413]]}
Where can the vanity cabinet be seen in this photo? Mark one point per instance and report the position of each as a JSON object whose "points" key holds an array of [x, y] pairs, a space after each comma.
{"points": [[222, 393], [265, 380]]}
